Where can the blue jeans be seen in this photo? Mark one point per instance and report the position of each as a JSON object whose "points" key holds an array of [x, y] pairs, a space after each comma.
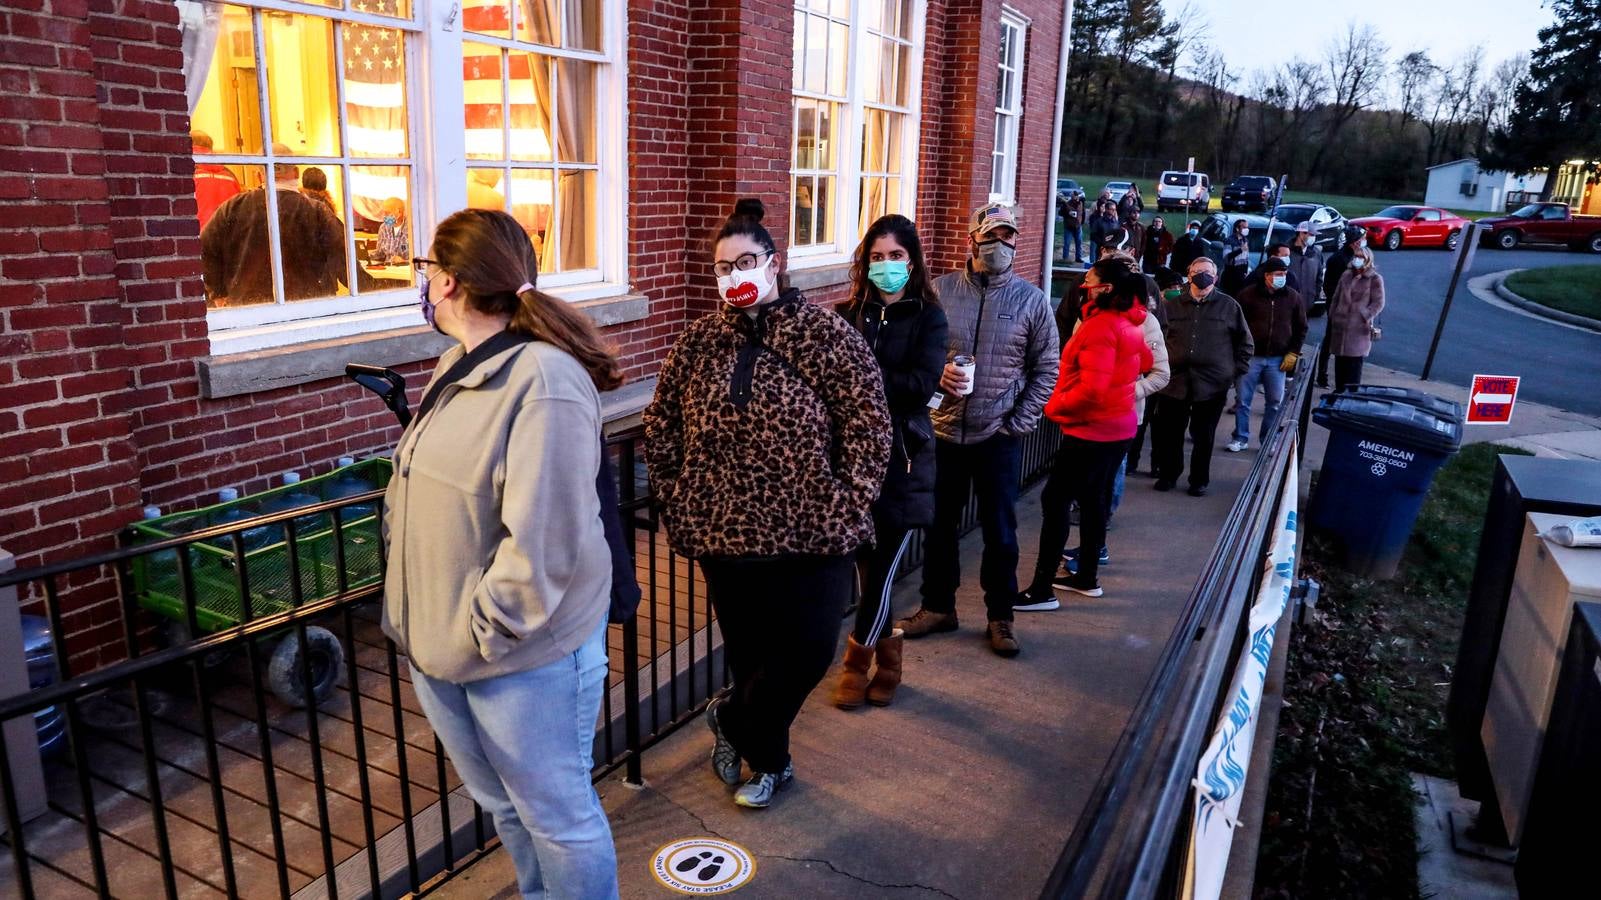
{"points": [[1075, 233], [1117, 489], [523, 744], [1264, 370], [989, 469]]}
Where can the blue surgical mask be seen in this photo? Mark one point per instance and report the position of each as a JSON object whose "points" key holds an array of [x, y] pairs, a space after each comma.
{"points": [[889, 275], [389, 220]]}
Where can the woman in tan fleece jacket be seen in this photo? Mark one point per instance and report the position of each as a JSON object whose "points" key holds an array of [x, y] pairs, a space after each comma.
{"points": [[499, 574]]}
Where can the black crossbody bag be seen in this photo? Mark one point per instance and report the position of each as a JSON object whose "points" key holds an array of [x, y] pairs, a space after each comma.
{"points": [[625, 593]]}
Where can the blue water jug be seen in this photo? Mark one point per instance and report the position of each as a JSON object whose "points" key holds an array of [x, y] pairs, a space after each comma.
{"points": [[160, 567], [350, 483], [252, 538], [295, 498]]}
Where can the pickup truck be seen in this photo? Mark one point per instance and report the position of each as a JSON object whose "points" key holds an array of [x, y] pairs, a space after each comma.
{"points": [[1542, 223]]}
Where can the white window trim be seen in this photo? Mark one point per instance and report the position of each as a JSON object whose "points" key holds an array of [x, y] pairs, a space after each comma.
{"points": [[1011, 18], [847, 170], [438, 175]]}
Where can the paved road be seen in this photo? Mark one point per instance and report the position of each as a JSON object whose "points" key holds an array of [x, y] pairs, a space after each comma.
{"points": [[1560, 366]]}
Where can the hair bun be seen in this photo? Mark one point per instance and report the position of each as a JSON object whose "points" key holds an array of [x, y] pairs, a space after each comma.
{"points": [[749, 208]]}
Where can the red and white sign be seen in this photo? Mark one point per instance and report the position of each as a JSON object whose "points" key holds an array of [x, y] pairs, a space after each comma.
{"points": [[1491, 398]]}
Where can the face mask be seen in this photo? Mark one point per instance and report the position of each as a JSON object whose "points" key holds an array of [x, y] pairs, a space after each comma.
{"points": [[889, 275], [1276, 282], [1173, 293], [389, 220], [1195, 232], [742, 290], [995, 257], [1203, 280], [1358, 262], [429, 309], [1362, 244]]}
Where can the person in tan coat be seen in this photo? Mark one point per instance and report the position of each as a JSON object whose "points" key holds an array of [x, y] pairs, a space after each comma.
{"points": [[1358, 299]]}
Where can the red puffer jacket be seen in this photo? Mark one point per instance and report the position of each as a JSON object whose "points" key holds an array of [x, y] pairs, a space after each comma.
{"points": [[1094, 396]]}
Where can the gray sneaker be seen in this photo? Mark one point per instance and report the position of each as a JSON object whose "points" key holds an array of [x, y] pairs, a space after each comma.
{"points": [[725, 759], [757, 793]]}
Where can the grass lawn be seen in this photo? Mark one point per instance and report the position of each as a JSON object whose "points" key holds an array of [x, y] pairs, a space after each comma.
{"points": [[1350, 207], [1364, 705], [1572, 289]]}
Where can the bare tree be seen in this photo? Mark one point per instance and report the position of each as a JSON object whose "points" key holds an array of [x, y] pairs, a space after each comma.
{"points": [[1454, 93], [1354, 65], [1492, 109], [1414, 73]]}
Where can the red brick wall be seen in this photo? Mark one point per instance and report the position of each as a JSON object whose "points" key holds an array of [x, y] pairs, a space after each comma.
{"points": [[1035, 193]]}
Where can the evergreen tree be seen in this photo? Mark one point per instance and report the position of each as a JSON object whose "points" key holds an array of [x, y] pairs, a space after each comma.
{"points": [[1557, 115]]}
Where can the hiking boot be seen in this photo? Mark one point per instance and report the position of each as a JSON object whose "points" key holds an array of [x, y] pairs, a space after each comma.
{"points": [[757, 793], [725, 759], [851, 691], [1076, 585], [887, 677], [926, 622], [1236, 446], [1028, 601], [1002, 639], [1070, 560]]}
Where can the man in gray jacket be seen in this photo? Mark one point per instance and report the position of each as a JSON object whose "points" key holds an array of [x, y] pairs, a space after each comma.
{"points": [[1005, 324]]}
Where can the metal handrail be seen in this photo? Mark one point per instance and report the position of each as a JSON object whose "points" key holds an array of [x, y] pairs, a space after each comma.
{"points": [[1125, 842]]}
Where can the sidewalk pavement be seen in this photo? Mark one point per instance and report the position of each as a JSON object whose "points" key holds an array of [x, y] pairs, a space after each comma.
{"points": [[969, 785], [1542, 430]]}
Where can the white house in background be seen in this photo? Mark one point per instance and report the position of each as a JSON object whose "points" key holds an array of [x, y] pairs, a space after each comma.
{"points": [[1461, 184]]}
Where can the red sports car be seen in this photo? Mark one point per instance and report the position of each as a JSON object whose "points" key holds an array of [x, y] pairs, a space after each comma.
{"points": [[1412, 226]]}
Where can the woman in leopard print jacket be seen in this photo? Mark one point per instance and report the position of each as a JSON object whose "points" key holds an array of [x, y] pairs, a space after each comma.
{"points": [[767, 442]]}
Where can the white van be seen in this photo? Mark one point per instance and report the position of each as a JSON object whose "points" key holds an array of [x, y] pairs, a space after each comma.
{"points": [[1178, 190]]}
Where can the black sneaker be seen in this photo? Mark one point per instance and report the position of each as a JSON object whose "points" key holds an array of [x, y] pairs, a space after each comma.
{"points": [[1197, 490], [1164, 484], [1070, 560], [1027, 601], [725, 759], [1076, 585]]}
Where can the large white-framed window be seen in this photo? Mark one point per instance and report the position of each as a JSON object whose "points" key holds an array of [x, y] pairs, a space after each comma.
{"points": [[1008, 106], [350, 128], [857, 81]]}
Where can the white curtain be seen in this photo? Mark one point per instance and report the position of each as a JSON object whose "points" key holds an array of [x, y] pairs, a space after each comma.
{"points": [[199, 21]]}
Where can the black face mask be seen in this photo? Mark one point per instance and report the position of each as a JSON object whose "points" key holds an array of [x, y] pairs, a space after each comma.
{"points": [[1202, 280]]}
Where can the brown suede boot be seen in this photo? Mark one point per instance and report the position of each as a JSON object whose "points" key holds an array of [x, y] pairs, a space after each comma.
{"points": [[852, 688], [881, 690]]}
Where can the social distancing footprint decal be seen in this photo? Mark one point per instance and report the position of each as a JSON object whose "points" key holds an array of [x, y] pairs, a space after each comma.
{"points": [[703, 866]]}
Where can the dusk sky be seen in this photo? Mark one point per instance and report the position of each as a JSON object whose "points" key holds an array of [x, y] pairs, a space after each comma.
{"points": [[1444, 28]]}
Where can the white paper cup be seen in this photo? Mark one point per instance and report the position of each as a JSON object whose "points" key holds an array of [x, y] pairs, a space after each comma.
{"points": [[967, 365]]}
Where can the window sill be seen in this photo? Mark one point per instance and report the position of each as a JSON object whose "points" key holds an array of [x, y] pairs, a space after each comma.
{"points": [[818, 277], [238, 373]]}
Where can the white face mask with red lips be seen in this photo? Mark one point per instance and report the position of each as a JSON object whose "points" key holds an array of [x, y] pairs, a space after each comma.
{"points": [[743, 290]]}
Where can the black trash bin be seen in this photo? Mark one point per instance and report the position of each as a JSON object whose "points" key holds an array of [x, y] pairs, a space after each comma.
{"points": [[1422, 400], [1381, 458]]}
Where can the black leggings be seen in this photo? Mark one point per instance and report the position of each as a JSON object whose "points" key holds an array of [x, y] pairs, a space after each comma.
{"points": [[876, 566], [1083, 471], [1347, 371], [779, 617]]}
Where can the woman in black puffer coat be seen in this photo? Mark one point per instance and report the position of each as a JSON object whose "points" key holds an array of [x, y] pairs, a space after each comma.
{"points": [[893, 305]]}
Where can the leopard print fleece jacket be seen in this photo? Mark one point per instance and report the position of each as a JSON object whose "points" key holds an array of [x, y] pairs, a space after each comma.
{"points": [[768, 436]]}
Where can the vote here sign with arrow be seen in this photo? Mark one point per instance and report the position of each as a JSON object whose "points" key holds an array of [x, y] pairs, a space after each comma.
{"points": [[1491, 398]]}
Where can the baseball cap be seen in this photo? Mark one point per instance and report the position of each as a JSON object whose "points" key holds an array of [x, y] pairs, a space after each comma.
{"points": [[989, 217], [1274, 264], [1116, 239], [1303, 228]]}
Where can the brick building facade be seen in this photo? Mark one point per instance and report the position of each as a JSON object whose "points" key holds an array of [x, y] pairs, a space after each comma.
{"points": [[121, 385]]}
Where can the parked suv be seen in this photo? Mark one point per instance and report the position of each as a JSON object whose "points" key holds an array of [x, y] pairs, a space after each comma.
{"points": [[1183, 190], [1249, 193]]}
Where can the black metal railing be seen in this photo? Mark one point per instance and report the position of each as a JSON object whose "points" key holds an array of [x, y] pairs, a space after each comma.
{"points": [[214, 777], [1131, 840]]}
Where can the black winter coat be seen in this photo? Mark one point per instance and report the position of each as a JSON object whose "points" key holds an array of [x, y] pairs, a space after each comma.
{"points": [[909, 341]]}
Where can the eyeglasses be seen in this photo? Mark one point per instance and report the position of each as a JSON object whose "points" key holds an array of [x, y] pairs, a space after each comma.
{"points": [[421, 264], [744, 263]]}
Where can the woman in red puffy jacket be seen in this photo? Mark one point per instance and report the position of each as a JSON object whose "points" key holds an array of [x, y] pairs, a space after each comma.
{"points": [[1094, 405]]}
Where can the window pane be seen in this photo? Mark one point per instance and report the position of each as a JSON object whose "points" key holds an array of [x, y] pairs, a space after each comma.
{"points": [[482, 98], [583, 24], [492, 17], [577, 201], [873, 14], [903, 74], [400, 9], [234, 249], [840, 9], [537, 21], [800, 192], [799, 66], [532, 204], [872, 202], [903, 18], [486, 189], [375, 91], [892, 196], [1006, 44], [823, 211], [826, 125], [816, 54], [839, 55], [805, 134], [576, 112], [881, 142], [381, 206], [311, 240], [872, 67], [529, 75], [300, 84], [228, 114]]}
